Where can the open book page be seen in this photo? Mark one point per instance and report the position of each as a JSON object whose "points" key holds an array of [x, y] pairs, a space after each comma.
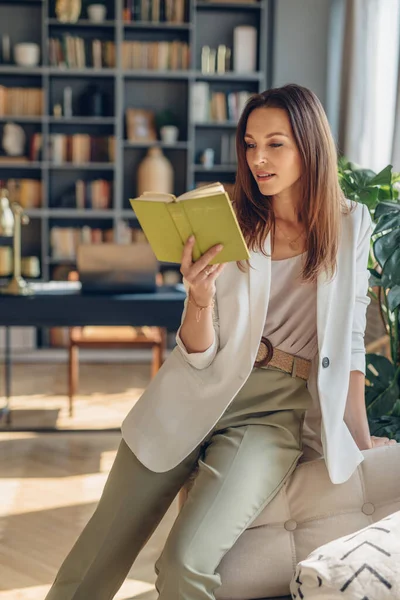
{"points": [[213, 189], [157, 197]]}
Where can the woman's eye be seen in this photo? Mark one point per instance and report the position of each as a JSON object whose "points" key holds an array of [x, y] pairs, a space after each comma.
{"points": [[250, 145], [276, 145]]}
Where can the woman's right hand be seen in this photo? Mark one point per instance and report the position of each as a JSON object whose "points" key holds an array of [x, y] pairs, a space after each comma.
{"points": [[198, 274]]}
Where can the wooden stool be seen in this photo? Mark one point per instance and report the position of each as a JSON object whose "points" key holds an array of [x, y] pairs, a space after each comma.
{"points": [[113, 337]]}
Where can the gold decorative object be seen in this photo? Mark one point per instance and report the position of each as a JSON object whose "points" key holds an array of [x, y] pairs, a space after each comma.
{"points": [[11, 218], [30, 266], [68, 11]]}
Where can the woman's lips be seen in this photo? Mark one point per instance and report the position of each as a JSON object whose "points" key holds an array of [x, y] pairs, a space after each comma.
{"points": [[262, 177]]}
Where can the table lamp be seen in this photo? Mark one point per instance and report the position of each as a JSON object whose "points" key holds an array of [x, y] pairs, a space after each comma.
{"points": [[11, 218]]}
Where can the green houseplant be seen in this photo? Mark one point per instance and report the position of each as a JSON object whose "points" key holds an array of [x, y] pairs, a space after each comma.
{"points": [[380, 192]]}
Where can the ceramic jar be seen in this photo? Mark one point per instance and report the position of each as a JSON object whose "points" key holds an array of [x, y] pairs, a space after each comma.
{"points": [[155, 173]]}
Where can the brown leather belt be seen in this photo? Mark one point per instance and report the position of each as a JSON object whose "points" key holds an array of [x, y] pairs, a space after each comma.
{"points": [[268, 356]]}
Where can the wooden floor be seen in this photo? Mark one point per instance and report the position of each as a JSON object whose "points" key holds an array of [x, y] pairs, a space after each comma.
{"points": [[106, 393], [50, 483]]}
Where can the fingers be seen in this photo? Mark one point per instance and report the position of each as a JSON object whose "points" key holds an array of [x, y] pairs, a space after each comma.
{"points": [[198, 266], [211, 272], [382, 441], [219, 267], [187, 254], [205, 260]]}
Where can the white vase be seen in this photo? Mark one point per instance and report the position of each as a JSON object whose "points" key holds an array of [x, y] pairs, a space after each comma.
{"points": [[244, 49], [155, 173]]}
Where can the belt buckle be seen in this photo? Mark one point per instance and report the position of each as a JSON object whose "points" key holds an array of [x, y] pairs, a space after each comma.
{"points": [[265, 353]]}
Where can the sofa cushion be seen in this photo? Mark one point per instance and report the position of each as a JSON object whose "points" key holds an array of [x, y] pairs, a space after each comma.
{"points": [[309, 511], [364, 565]]}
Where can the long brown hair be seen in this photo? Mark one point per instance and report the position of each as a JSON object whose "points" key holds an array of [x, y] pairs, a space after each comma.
{"points": [[322, 201]]}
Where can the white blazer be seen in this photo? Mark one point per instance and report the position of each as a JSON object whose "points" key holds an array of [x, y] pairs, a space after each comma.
{"points": [[190, 392]]}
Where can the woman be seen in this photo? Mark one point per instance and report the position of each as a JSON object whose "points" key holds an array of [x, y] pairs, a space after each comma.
{"points": [[257, 348]]}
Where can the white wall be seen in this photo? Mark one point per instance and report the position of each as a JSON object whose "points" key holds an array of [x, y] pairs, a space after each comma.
{"points": [[301, 44]]}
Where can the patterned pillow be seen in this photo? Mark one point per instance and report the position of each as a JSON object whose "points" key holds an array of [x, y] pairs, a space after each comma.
{"points": [[361, 566]]}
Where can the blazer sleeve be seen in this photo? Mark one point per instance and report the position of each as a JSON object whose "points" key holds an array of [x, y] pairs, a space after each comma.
{"points": [[199, 360], [362, 299]]}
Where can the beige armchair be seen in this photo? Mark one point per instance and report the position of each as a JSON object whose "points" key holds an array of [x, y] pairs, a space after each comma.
{"points": [[308, 512]]}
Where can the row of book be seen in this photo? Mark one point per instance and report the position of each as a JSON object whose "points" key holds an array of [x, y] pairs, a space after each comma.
{"points": [[19, 101], [27, 192], [228, 149], [160, 56], [78, 53], [81, 148], [208, 105], [95, 194], [155, 11], [64, 241], [31, 152]]}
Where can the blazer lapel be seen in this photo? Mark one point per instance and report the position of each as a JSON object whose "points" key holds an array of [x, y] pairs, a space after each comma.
{"points": [[324, 297], [259, 290]]}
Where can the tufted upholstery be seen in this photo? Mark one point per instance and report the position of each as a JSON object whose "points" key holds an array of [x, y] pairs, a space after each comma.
{"points": [[360, 565], [307, 512]]}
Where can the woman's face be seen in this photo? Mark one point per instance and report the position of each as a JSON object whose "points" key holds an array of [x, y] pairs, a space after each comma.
{"points": [[271, 151]]}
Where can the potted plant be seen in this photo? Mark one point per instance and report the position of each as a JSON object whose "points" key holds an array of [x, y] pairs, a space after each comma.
{"points": [[380, 192], [167, 126]]}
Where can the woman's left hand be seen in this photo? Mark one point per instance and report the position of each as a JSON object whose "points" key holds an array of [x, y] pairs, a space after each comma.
{"points": [[381, 441]]}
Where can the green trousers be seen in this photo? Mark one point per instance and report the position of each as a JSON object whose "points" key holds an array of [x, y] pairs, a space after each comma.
{"points": [[241, 465]]}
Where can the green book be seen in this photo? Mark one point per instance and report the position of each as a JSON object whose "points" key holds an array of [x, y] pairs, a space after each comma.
{"points": [[206, 212]]}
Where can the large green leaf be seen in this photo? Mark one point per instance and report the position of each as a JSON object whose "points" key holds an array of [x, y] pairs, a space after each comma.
{"points": [[375, 278], [382, 390], [391, 269], [369, 196], [386, 192], [384, 402], [379, 372], [396, 409], [386, 206], [384, 177], [387, 220], [386, 245], [394, 297], [385, 426]]}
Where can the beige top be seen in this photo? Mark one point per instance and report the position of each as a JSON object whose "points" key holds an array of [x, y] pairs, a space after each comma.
{"points": [[291, 323]]}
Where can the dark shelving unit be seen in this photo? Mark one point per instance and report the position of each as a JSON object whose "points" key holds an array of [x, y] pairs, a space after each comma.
{"points": [[32, 20]]}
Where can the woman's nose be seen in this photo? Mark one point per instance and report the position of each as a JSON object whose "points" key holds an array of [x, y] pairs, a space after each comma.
{"points": [[259, 158]]}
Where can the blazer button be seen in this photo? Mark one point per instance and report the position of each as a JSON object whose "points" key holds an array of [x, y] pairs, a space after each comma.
{"points": [[325, 362]]}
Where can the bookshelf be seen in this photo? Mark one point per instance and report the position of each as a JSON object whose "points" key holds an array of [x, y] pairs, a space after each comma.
{"points": [[205, 23]]}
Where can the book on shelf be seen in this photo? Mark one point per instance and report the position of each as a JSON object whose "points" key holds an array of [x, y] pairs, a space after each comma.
{"points": [[64, 241], [14, 160], [27, 192], [81, 148], [95, 194], [232, 1], [160, 56], [228, 149], [78, 53], [206, 212], [216, 106], [34, 146], [21, 101], [155, 11]]}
